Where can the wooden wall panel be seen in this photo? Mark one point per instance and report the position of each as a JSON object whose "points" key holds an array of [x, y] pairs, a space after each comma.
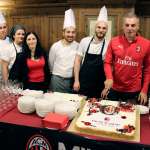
{"points": [[55, 28], [145, 26], [38, 24], [49, 26], [44, 31], [85, 13]]}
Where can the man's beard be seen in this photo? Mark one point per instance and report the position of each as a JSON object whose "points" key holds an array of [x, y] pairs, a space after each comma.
{"points": [[69, 40], [100, 36], [2, 37]]}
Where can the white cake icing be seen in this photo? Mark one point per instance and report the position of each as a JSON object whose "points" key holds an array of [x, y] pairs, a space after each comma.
{"points": [[26, 104], [110, 117]]}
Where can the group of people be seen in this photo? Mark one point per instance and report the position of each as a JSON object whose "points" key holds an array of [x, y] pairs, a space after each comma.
{"points": [[22, 58], [116, 70]]}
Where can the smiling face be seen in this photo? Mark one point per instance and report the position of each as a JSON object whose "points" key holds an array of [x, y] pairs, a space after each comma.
{"points": [[31, 41], [3, 31], [130, 27], [69, 34], [101, 29], [19, 36]]}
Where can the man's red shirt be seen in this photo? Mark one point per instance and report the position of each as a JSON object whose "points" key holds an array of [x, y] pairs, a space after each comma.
{"points": [[128, 64]]}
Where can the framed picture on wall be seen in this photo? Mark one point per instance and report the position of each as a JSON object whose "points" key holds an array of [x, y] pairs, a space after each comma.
{"points": [[91, 21]]}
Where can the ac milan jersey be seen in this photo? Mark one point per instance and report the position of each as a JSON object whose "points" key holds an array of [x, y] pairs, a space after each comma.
{"points": [[128, 64]]}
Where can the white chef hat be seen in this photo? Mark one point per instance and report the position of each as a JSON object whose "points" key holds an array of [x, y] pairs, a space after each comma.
{"points": [[2, 18], [103, 15], [69, 19]]}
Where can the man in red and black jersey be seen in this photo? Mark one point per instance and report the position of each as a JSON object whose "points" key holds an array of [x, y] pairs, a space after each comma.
{"points": [[127, 64]]}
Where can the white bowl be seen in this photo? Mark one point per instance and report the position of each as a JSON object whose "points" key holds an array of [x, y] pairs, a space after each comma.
{"points": [[66, 108]]}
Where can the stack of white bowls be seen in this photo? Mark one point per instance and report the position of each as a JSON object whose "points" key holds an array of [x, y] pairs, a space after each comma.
{"points": [[33, 93], [43, 107], [67, 108], [26, 104]]}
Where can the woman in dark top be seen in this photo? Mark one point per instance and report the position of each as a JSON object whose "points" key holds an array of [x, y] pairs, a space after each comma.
{"points": [[11, 51], [32, 69]]}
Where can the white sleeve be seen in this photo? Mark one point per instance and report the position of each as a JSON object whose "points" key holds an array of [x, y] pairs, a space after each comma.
{"points": [[6, 55], [52, 56], [81, 48]]}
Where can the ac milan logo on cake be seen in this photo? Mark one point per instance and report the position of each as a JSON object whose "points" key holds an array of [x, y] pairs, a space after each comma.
{"points": [[38, 142], [138, 48]]}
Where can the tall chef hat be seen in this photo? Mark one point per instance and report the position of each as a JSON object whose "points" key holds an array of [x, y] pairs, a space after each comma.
{"points": [[69, 19], [103, 15], [2, 18]]}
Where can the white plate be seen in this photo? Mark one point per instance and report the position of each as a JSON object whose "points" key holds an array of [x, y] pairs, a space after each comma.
{"points": [[143, 109]]}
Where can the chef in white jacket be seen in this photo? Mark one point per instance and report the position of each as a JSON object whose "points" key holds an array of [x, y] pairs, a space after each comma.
{"points": [[62, 56], [4, 39]]}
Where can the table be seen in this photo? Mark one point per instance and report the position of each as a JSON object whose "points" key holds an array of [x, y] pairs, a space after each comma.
{"points": [[25, 132]]}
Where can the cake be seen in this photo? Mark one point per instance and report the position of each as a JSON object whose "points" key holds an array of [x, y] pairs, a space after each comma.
{"points": [[108, 117]]}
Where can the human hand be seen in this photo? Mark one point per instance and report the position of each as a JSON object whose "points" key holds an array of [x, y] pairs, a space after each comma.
{"points": [[76, 86], [108, 83], [104, 93], [142, 98]]}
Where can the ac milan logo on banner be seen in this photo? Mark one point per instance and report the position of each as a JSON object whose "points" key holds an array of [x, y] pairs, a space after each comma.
{"points": [[38, 142]]}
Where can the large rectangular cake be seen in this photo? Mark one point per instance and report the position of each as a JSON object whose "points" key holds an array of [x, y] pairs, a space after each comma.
{"points": [[108, 117]]}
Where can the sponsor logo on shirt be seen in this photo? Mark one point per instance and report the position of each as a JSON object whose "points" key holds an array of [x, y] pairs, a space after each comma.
{"points": [[127, 61], [138, 48]]}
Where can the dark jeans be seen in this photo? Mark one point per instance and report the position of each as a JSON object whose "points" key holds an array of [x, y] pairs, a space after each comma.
{"points": [[123, 96]]}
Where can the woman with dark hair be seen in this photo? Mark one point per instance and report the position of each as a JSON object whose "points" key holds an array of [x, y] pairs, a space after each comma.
{"points": [[12, 51], [32, 68]]}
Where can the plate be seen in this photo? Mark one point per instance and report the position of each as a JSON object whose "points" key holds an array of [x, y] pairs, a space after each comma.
{"points": [[143, 109]]}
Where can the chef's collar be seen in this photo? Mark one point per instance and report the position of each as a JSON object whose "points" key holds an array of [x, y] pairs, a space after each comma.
{"points": [[94, 41]]}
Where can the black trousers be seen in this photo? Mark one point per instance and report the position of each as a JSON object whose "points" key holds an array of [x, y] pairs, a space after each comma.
{"points": [[123, 96], [36, 86]]}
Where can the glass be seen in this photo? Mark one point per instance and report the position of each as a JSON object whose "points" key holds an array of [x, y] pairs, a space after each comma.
{"points": [[15, 87], [10, 88]]}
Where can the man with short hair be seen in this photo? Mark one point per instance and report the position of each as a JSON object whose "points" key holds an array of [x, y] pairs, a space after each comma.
{"points": [[62, 55], [127, 64], [88, 68]]}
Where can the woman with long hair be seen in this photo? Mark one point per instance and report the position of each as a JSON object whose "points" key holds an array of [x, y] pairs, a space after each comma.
{"points": [[32, 68]]}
